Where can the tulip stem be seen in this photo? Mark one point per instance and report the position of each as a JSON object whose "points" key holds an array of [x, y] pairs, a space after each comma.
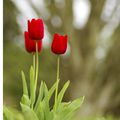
{"points": [[34, 58], [58, 78], [34, 62], [36, 67], [58, 67]]}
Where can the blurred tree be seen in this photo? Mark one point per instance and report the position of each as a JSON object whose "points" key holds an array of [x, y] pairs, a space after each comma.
{"points": [[10, 31], [10, 14]]}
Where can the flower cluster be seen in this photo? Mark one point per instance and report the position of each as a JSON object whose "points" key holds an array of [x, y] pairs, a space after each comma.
{"points": [[35, 34]]}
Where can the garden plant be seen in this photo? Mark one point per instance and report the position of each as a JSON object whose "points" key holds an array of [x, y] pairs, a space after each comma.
{"points": [[37, 107]]}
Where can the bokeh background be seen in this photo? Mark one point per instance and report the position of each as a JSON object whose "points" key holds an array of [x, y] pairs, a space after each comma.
{"points": [[92, 60]]}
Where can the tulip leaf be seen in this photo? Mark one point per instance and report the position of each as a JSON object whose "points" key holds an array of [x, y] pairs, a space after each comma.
{"points": [[25, 100], [25, 90], [32, 85], [28, 112], [39, 108], [12, 114], [62, 92], [40, 96]]}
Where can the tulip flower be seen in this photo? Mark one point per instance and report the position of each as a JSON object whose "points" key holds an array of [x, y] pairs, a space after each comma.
{"points": [[30, 44], [36, 29], [59, 44]]}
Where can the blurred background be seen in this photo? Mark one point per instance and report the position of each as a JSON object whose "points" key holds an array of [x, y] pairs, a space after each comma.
{"points": [[92, 60]]}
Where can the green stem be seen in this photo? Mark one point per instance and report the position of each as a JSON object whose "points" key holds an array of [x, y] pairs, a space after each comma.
{"points": [[58, 67], [58, 78], [36, 67], [32, 104], [34, 62], [36, 76]]}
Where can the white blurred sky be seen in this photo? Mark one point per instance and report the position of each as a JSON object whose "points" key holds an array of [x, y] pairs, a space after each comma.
{"points": [[81, 11]]}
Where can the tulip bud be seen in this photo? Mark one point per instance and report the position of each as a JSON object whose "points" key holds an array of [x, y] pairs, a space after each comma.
{"points": [[30, 44], [36, 29], [59, 44]]}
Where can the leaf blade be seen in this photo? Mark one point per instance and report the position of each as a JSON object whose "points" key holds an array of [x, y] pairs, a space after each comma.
{"points": [[32, 86], [25, 89]]}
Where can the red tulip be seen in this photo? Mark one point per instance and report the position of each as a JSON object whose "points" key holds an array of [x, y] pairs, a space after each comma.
{"points": [[36, 29], [59, 44], [30, 44]]}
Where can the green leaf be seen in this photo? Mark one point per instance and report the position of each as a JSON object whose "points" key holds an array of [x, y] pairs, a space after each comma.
{"points": [[25, 100], [51, 91], [45, 89], [40, 96], [42, 105], [44, 108], [62, 92], [76, 103], [32, 85], [48, 114], [11, 114], [40, 111], [69, 111], [25, 90], [28, 113], [7, 115]]}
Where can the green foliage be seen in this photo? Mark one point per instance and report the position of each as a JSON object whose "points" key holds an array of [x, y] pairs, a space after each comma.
{"points": [[39, 108], [11, 114], [109, 117]]}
